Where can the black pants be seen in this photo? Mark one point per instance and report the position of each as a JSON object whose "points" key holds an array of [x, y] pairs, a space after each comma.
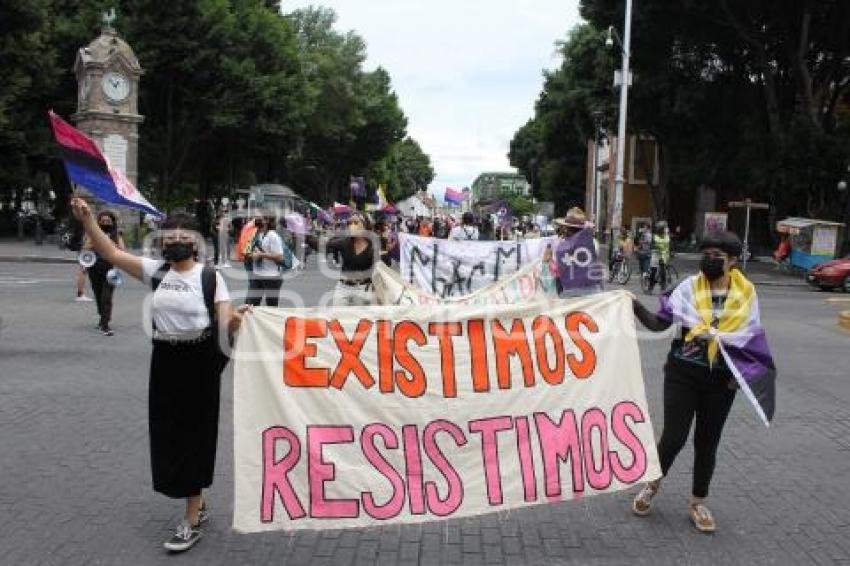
{"points": [[658, 275], [692, 391], [268, 287], [102, 293]]}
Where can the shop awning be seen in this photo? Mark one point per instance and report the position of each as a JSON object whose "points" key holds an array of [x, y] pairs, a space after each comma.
{"points": [[795, 225]]}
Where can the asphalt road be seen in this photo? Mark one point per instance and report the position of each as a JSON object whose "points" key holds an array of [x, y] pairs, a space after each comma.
{"points": [[75, 483]]}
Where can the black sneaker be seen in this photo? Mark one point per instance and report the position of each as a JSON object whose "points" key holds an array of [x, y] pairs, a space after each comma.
{"points": [[106, 331], [184, 537]]}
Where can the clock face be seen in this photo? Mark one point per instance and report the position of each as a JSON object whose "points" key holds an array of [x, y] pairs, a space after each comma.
{"points": [[116, 87]]}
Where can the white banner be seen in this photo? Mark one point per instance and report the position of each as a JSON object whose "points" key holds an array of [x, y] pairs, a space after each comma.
{"points": [[532, 283], [381, 415], [448, 268]]}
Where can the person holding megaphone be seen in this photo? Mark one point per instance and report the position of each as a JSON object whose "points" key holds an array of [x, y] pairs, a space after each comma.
{"points": [[102, 274], [190, 308]]}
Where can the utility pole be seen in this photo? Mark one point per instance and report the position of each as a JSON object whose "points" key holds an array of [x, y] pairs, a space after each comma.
{"points": [[625, 79], [749, 205]]}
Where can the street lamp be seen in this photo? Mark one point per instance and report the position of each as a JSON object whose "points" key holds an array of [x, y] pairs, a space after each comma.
{"points": [[625, 48]]}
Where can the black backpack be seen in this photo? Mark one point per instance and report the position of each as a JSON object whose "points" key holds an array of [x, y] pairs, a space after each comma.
{"points": [[208, 287]]}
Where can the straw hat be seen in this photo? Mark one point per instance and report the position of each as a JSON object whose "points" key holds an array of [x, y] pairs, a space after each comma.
{"points": [[575, 218]]}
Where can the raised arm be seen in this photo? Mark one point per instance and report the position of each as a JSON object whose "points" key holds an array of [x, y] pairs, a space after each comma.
{"points": [[101, 243]]}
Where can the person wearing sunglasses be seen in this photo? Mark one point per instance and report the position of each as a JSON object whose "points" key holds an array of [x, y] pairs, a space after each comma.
{"points": [[358, 252]]}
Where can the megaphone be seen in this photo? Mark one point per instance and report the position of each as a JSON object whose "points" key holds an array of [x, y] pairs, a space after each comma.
{"points": [[87, 258], [114, 277]]}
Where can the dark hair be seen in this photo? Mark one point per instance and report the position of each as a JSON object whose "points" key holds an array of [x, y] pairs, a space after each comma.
{"points": [[180, 221], [112, 216], [468, 218], [728, 242]]}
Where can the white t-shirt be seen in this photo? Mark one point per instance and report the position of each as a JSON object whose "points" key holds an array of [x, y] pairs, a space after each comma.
{"points": [[462, 232], [178, 304], [272, 244]]}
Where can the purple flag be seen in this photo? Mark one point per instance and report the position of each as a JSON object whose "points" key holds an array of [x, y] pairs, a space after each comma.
{"points": [[358, 187], [577, 261], [296, 223]]}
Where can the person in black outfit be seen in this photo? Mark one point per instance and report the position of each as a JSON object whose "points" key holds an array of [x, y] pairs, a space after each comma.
{"points": [[107, 221], [358, 252], [694, 388]]}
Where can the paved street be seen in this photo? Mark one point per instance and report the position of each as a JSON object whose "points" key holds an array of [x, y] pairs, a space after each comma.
{"points": [[75, 474]]}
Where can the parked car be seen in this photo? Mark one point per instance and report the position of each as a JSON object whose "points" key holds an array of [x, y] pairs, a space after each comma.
{"points": [[831, 275]]}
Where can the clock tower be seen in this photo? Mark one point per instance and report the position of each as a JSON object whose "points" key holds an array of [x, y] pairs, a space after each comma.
{"points": [[108, 75]]}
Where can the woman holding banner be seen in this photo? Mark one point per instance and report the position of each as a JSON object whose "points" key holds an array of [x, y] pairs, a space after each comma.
{"points": [[573, 262], [358, 255], [722, 346], [190, 304]]}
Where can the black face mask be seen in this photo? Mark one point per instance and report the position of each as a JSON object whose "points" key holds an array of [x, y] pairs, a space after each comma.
{"points": [[711, 267], [178, 251]]}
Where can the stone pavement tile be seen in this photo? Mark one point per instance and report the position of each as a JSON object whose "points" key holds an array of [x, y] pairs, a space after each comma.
{"points": [[471, 543], [452, 554], [387, 558]]}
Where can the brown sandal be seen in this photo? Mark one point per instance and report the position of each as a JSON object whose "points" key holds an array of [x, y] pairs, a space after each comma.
{"points": [[702, 518], [642, 503]]}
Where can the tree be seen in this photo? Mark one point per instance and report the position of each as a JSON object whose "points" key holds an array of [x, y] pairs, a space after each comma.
{"points": [[743, 96], [551, 147], [405, 170], [353, 117]]}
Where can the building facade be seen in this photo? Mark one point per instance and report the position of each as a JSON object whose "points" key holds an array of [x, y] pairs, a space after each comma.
{"points": [[641, 160], [488, 186]]}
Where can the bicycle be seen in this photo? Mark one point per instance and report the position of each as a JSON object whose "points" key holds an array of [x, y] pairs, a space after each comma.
{"points": [[620, 270], [671, 274]]}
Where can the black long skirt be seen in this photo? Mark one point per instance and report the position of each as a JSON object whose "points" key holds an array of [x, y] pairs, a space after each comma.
{"points": [[183, 413]]}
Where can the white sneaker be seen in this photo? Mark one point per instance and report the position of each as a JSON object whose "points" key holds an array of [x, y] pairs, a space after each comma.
{"points": [[184, 537], [83, 299], [225, 264]]}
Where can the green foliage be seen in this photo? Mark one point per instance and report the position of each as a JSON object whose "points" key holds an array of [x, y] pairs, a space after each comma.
{"points": [[519, 204], [742, 97], [550, 149], [353, 118], [405, 170], [234, 92]]}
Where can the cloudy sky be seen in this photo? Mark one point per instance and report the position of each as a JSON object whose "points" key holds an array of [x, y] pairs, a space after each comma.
{"points": [[467, 72]]}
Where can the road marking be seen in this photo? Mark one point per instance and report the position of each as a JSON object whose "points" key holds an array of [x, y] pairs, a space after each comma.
{"points": [[23, 281]]}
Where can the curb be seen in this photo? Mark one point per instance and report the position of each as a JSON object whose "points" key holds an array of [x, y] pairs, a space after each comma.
{"points": [[36, 259]]}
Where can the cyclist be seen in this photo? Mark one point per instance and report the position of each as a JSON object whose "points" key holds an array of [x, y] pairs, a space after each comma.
{"points": [[660, 248]]}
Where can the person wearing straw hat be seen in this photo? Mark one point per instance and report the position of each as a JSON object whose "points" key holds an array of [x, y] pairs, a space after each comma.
{"points": [[574, 259]]}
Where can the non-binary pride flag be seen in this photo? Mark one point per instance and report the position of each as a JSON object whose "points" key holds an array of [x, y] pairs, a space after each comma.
{"points": [[735, 333], [87, 166], [453, 196]]}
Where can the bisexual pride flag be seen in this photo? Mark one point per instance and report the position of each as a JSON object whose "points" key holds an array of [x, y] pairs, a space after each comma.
{"points": [[735, 333], [341, 210], [453, 196], [88, 167]]}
